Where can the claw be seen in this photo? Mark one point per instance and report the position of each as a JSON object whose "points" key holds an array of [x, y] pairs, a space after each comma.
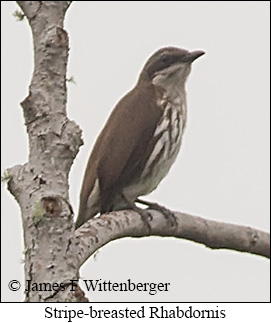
{"points": [[146, 217], [170, 217]]}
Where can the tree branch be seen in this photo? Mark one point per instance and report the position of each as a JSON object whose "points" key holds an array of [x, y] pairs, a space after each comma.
{"points": [[216, 235]]}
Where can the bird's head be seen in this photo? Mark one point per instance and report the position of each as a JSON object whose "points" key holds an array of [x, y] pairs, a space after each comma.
{"points": [[169, 65]]}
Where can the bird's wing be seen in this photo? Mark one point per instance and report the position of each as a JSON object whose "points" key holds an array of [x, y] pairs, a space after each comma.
{"points": [[120, 148], [126, 141]]}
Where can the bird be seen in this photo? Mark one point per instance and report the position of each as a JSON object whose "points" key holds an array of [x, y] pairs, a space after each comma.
{"points": [[141, 138]]}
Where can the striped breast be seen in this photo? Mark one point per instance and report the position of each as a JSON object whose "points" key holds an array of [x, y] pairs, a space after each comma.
{"points": [[167, 143]]}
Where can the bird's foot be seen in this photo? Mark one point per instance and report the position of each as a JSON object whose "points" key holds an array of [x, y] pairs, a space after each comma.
{"points": [[146, 217], [169, 216]]}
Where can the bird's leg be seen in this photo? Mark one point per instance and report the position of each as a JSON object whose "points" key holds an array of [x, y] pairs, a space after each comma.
{"points": [[170, 217], [146, 217]]}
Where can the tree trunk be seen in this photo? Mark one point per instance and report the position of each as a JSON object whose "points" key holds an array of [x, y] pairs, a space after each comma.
{"points": [[41, 185]]}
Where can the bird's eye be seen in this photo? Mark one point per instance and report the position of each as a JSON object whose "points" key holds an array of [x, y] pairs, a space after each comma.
{"points": [[164, 59]]}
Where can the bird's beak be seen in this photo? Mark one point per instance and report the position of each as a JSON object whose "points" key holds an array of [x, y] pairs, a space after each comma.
{"points": [[191, 56]]}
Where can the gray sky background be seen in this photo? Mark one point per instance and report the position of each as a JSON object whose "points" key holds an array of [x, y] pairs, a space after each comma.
{"points": [[222, 171]]}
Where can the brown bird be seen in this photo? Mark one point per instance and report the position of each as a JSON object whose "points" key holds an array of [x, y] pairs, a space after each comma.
{"points": [[141, 138]]}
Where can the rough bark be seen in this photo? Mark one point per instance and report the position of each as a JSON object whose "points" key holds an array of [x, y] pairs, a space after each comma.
{"points": [[216, 235], [41, 185], [54, 252]]}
